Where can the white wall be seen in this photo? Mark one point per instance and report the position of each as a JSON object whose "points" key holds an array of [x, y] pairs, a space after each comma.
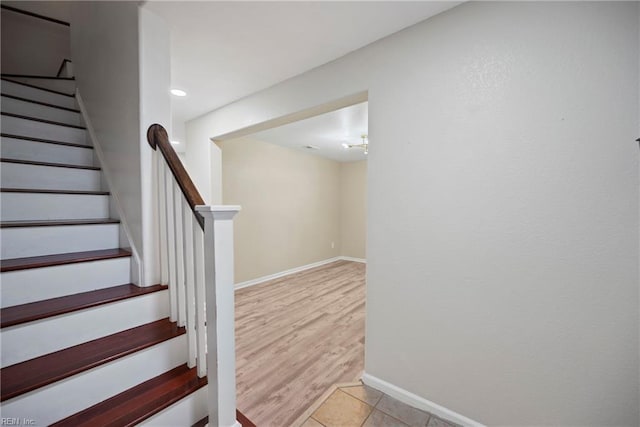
{"points": [[502, 239], [155, 107], [291, 207], [200, 156], [353, 209], [113, 51], [31, 45]]}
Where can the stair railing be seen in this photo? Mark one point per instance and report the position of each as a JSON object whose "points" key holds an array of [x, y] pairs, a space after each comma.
{"points": [[196, 262]]}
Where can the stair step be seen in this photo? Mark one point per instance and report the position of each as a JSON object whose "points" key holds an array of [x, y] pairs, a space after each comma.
{"points": [[39, 151], [47, 282], [12, 87], [39, 191], [41, 110], [61, 259], [17, 124], [24, 313], [55, 165], [57, 222], [29, 340], [240, 417], [26, 206], [34, 76], [32, 85], [61, 399], [36, 119], [35, 239], [48, 141], [66, 85], [140, 402], [46, 104], [42, 176], [185, 412], [41, 371]]}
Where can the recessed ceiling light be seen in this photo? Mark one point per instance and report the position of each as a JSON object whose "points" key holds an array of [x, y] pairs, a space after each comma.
{"points": [[175, 142], [178, 92]]}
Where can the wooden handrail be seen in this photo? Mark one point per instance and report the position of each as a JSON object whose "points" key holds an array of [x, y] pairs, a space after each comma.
{"points": [[158, 137]]}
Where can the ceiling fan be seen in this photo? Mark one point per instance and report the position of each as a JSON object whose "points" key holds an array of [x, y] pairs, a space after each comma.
{"points": [[364, 144]]}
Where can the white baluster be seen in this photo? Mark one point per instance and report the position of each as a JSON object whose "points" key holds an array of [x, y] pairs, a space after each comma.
{"points": [[171, 246], [188, 231], [218, 261], [198, 269], [162, 218], [180, 287]]}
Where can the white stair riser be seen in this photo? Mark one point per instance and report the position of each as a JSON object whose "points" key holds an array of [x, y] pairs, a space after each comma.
{"points": [[35, 284], [16, 175], [33, 339], [59, 400], [42, 206], [59, 85], [31, 109], [35, 129], [37, 94], [22, 149], [19, 242], [185, 412]]}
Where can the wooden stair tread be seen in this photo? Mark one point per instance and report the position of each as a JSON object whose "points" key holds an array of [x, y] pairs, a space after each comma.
{"points": [[41, 371], [48, 141], [56, 165], [138, 403], [36, 119], [45, 191], [14, 264], [57, 222], [18, 314]]}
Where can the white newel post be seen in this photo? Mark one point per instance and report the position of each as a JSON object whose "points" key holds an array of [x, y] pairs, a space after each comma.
{"points": [[219, 283]]}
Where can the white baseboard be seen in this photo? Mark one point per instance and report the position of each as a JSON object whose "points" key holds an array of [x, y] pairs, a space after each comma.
{"points": [[262, 279], [417, 401], [348, 258]]}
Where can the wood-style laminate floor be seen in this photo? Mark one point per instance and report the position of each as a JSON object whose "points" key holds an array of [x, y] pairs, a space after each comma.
{"points": [[295, 337]]}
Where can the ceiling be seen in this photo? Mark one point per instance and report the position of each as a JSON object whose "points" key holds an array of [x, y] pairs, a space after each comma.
{"points": [[223, 51], [327, 132]]}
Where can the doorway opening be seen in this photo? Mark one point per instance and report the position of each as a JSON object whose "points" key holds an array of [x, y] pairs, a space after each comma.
{"points": [[300, 259]]}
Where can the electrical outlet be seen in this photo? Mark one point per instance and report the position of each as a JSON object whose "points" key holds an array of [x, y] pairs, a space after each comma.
{"points": [[333, 245]]}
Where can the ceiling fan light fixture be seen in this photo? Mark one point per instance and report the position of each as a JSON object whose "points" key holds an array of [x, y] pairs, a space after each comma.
{"points": [[364, 145]]}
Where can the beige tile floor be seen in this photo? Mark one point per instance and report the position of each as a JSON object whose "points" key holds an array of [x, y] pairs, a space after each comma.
{"points": [[358, 405]]}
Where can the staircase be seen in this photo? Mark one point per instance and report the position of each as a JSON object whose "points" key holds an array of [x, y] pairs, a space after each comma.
{"points": [[81, 345]]}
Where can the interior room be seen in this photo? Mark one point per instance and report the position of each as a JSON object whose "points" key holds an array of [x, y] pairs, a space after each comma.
{"points": [[299, 242]]}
